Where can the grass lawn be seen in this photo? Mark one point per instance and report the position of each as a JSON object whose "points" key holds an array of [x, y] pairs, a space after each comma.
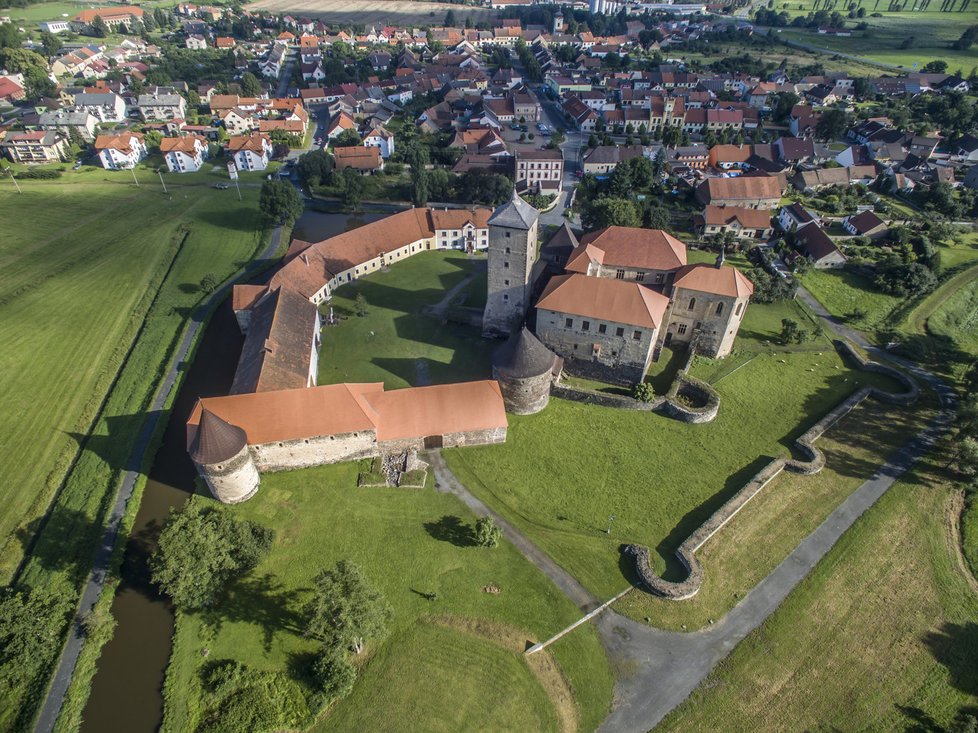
{"points": [[96, 293], [787, 510], [843, 292], [562, 472], [395, 343], [880, 636], [432, 672], [957, 317], [932, 34], [78, 280]]}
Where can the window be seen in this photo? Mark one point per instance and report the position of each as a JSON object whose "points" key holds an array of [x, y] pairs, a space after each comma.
{"points": [[640, 277], [740, 307], [568, 322], [585, 325], [619, 332], [505, 282], [505, 297], [507, 235], [681, 329], [505, 264], [619, 274], [602, 328], [719, 309], [636, 335], [692, 304], [507, 250]]}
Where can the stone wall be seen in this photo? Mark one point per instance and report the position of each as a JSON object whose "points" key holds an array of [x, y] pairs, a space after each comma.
{"points": [[232, 481], [524, 396], [667, 403], [815, 461], [316, 451]]}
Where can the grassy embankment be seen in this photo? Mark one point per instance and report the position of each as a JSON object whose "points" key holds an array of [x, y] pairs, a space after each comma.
{"points": [[453, 663], [102, 277], [880, 636]]}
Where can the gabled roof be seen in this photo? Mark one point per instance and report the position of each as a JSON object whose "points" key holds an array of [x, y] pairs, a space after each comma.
{"points": [[647, 249], [816, 243], [515, 214], [605, 299], [724, 280], [865, 221], [748, 218]]}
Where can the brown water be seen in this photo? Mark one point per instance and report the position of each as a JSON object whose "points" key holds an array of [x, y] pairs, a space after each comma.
{"points": [[127, 689]]}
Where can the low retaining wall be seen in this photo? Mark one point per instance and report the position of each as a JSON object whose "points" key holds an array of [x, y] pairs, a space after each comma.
{"points": [[805, 444]]}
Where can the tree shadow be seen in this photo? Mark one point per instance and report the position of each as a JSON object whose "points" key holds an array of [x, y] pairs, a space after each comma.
{"points": [[919, 721], [451, 529], [42, 541], [956, 647], [260, 600]]}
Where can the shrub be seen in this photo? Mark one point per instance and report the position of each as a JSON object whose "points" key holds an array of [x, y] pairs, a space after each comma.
{"points": [[333, 672], [643, 392], [40, 174], [486, 532]]}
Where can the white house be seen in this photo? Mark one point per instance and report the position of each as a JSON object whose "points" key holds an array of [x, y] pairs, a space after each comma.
{"points": [[184, 154], [120, 152], [162, 106], [271, 65], [250, 152], [382, 139], [55, 26], [196, 42], [103, 106]]}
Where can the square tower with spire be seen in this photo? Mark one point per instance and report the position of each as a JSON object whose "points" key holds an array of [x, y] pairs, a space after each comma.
{"points": [[512, 252]]}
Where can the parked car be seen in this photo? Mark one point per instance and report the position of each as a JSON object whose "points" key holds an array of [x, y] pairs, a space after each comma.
{"points": [[222, 186], [515, 126]]}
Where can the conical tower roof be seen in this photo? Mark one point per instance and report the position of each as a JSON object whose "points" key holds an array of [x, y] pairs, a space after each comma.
{"points": [[523, 356], [515, 214], [217, 440]]}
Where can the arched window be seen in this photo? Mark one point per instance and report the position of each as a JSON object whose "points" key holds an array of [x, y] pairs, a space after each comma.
{"points": [[719, 309], [740, 307], [692, 303]]}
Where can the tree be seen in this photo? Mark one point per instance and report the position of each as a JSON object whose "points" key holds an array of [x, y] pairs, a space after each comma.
{"points": [[345, 609], [50, 42], [643, 392], [450, 21], [831, 125], [333, 672], [352, 186], [209, 282], [315, 167], [657, 217], [347, 139], [420, 189], [99, 27], [789, 331], [9, 36], [968, 457], [607, 211], [279, 202], [250, 86], [486, 532], [30, 632], [360, 306], [201, 549]]}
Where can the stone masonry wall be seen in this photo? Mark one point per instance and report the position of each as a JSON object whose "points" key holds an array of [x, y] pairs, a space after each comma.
{"points": [[686, 552], [232, 481], [524, 396], [314, 451]]}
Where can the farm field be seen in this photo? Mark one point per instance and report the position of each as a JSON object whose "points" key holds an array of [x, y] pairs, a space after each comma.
{"points": [[558, 486], [932, 34], [54, 11], [453, 663], [761, 535], [82, 274], [110, 278], [372, 12], [880, 636], [394, 342]]}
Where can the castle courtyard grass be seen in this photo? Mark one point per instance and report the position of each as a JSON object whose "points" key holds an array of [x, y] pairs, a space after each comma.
{"points": [[429, 673], [562, 473], [881, 636]]}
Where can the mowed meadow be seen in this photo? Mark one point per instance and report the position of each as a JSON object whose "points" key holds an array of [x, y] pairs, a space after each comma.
{"points": [[81, 264]]}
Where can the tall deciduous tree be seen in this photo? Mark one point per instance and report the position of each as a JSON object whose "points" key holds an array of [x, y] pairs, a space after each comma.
{"points": [[250, 86], [279, 202], [345, 609]]}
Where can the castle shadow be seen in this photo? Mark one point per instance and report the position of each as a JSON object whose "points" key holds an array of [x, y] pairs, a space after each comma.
{"points": [[451, 529]]}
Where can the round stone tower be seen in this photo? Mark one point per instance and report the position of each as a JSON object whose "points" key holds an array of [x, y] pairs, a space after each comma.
{"points": [[220, 452], [525, 369]]}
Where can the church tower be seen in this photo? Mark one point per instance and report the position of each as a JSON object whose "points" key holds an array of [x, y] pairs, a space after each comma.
{"points": [[512, 252]]}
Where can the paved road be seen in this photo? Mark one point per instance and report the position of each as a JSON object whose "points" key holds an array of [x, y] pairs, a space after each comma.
{"points": [[659, 669], [100, 569]]}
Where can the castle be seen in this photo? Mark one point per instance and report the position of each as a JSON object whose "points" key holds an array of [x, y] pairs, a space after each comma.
{"points": [[608, 303]]}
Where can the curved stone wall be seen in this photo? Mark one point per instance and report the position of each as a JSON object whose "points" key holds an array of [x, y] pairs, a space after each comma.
{"points": [[524, 396], [813, 463]]}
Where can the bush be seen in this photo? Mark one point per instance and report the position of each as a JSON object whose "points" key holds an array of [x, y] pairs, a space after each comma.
{"points": [[43, 174], [333, 673], [643, 392], [486, 532]]}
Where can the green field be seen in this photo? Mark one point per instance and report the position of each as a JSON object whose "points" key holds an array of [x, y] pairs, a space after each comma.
{"points": [[562, 472], [432, 673], [100, 290], [82, 261], [394, 342], [845, 293], [880, 636], [932, 31], [56, 10]]}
